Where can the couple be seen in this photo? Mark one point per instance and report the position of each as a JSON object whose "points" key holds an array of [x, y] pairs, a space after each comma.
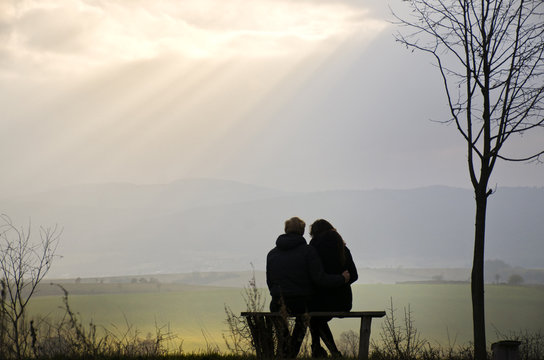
{"points": [[315, 277]]}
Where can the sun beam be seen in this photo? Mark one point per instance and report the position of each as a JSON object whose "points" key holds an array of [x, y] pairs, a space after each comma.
{"points": [[146, 82]]}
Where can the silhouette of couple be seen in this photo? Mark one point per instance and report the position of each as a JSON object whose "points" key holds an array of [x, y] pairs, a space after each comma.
{"points": [[314, 277]]}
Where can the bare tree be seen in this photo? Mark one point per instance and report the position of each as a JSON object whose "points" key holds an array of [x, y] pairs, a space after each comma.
{"points": [[490, 56], [23, 264]]}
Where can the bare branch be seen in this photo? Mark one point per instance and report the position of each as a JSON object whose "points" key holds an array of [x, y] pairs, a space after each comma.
{"points": [[23, 264], [528, 158]]}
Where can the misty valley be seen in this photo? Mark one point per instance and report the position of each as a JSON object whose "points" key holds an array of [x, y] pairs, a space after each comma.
{"points": [[205, 225], [164, 264]]}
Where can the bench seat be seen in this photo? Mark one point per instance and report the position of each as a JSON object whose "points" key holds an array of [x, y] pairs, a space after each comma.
{"points": [[265, 350]]}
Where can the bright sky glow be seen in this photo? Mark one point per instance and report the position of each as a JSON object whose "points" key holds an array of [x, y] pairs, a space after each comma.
{"points": [[126, 88], [75, 36], [150, 91]]}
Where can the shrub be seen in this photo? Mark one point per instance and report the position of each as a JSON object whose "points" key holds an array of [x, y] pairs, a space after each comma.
{"points": [[70, 338], [349, 343], [399, 341], [238, 338]]}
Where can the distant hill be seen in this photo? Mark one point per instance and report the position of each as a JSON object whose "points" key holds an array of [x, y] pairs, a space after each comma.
{"points": [[213, 225]]}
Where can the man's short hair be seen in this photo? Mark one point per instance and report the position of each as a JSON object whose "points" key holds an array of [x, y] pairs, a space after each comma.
{"points": [[295, 225]]}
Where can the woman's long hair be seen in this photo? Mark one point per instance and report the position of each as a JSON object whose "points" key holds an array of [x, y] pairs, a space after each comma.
{"points": [[322, 226]]}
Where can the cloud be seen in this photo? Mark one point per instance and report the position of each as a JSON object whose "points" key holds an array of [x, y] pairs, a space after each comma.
{"points": [[153, 90], [66, 36]]}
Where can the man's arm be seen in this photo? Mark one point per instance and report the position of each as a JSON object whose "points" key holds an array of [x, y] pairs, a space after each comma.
{"points": [[268, 281]]}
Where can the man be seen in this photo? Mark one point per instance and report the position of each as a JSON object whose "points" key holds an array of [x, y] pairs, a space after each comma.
{"points": [[293, 271]]}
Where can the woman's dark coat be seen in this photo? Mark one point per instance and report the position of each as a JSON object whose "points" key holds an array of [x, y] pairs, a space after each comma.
{"points": [[340, 298]]}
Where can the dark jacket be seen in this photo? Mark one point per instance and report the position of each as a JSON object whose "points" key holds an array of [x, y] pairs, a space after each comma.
{"points": [[293, 269], [337, 299]]}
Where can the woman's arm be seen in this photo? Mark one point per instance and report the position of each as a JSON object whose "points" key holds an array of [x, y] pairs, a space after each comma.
{"points": [[353, 276]]}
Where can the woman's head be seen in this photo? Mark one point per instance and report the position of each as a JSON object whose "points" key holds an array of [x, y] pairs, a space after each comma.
{"points": [[320, 226], [295, 225]]}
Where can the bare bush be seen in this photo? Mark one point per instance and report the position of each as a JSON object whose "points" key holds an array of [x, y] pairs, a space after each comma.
{"points": [[349, 343], [399, 341], [238, 337], [4, 341], [261, 336], [23, 264], [70, 338]]}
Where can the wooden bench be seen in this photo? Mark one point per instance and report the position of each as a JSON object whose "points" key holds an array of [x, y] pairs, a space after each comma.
{"points": [[263, 324]]}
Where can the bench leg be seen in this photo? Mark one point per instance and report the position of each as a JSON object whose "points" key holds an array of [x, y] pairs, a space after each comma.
{"points": [[281, 329], [262, 330], [364, 338]]}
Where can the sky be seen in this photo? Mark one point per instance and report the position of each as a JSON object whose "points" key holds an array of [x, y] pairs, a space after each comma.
{"points": [[294, 95]]}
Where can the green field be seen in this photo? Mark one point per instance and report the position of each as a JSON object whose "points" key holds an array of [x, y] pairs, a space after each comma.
{"points": [[197, 315]]}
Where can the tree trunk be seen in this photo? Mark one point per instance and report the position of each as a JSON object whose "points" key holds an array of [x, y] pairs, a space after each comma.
{"points": [[477, 278]]}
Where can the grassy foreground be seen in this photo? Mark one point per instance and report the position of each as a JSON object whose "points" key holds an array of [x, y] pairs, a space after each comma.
{"points": [[442, 313]]}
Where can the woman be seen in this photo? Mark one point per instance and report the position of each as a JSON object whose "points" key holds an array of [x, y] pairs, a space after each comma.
{"points": [[336, 258]]}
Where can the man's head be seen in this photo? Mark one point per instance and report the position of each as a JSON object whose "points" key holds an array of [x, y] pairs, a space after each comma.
{"points": [[295, 225]]}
